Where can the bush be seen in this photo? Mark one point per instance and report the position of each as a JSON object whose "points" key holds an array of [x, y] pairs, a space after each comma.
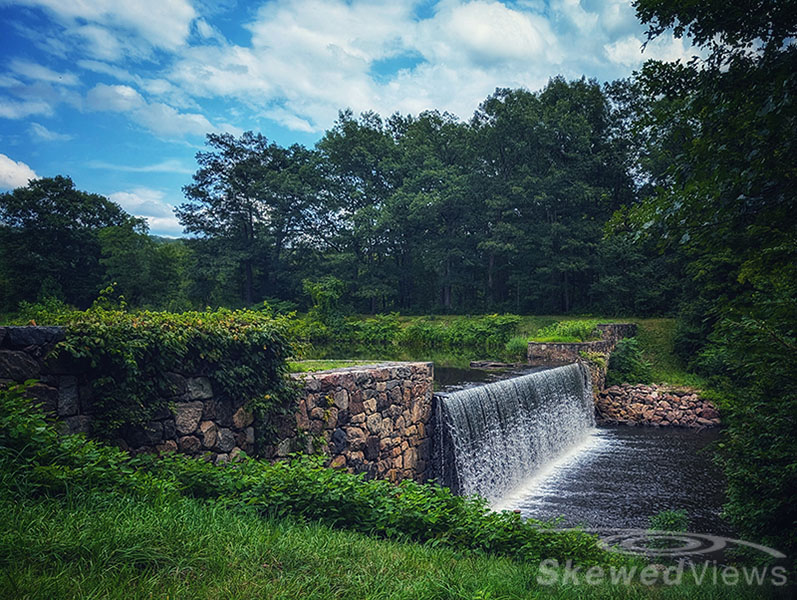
{"points": [[569, 331], [243, 352], [379, 330], [36, 460], [517, 348], [627, 365], [424, 333], [669, 520]]}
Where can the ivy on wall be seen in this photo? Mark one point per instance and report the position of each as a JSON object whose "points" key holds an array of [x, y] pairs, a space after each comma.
{"points": [[127, 356]]}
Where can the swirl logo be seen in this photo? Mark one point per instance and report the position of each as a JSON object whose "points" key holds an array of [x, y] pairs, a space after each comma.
{"points": [[648, 542]]}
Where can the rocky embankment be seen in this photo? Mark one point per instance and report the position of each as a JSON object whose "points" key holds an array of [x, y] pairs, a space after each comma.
{"points": [[655, 406]]}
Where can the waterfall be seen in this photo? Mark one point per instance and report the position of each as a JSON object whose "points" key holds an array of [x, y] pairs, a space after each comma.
{"points": [[489, 438]]}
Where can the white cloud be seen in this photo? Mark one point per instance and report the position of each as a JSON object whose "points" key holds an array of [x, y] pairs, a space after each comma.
{"points": [[629, 50], [159, 23], [307, 59], [37, 72], [116, 98], [485, 33], [158, 117], [14, 174], [310, 58], [166, 166], [151, 205], [41, 132], [15, 109]]}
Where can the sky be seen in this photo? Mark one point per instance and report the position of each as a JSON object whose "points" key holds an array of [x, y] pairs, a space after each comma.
{"points": [[119, 95]]}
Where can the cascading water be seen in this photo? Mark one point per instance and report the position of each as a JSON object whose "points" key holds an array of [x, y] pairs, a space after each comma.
{"points": [[490, 438]]}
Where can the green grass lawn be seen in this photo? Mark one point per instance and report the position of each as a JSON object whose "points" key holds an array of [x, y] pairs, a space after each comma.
{"points": [[311, 366], [116, 547]]}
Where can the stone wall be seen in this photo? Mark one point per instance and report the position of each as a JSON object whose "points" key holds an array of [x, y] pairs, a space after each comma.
{"points": [[372, 419], [653, 405], [594, 354], [199, 421], [556, 354]]}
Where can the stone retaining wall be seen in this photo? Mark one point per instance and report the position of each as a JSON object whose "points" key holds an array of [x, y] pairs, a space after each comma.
{"points": [[372, 419], [557, 354], [654, 405], [199, 422]]}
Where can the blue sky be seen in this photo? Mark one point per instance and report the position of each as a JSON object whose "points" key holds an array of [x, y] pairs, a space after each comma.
{"points": [[120, 94]]}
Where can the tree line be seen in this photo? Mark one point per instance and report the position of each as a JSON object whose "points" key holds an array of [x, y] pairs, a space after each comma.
{"points": [[505, 212]]}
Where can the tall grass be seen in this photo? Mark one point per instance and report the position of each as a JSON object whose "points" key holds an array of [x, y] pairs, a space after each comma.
{"points": [[117, 547]]}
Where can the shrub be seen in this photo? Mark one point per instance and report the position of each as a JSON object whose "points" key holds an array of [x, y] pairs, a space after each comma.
{"points": [[37, 460], [669, 520], [627, 365], [569, 331], [325, 293], [424, 333], [243, 352], [517, 348], [379, 330]]}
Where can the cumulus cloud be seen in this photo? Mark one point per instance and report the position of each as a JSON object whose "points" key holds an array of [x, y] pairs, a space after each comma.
{"points": [[151, 205], [111, 27], [14, 174], [307, 59]]}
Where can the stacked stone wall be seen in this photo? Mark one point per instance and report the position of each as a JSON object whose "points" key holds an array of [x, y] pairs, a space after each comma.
{"points": [[653, 405], [556, 354], [373, 419]]}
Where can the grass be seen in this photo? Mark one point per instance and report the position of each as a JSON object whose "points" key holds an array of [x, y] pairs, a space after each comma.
{"points": [[310, 366], [656, 338], [118, 547]]}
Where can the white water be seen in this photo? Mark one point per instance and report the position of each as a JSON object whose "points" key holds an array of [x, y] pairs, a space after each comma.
{"points": [[544, 480], [492, 438]]}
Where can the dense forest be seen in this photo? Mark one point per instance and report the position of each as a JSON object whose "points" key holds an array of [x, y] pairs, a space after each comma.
{"points": [[672, 192], [509, 211]]}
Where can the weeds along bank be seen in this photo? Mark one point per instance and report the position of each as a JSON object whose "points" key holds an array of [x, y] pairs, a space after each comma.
{"points": [[83, 519], [35, 461]]}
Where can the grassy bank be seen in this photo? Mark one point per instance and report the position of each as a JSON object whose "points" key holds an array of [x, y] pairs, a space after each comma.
{"points": [[109, 546], [656, 337]]}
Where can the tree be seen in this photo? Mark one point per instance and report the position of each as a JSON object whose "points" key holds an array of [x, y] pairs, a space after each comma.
{"points": [[728, 206], [252, 199], [49, 241]]}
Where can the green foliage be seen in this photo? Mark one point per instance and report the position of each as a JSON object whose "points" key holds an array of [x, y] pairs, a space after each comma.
{"points": [[596, 358], [725, 200], [34, 458], [569, 331], [669, 520], [627, 365], [425, 333], [242, 352], [517, 348], [325, 293], [37, 460], [379, 330]]}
